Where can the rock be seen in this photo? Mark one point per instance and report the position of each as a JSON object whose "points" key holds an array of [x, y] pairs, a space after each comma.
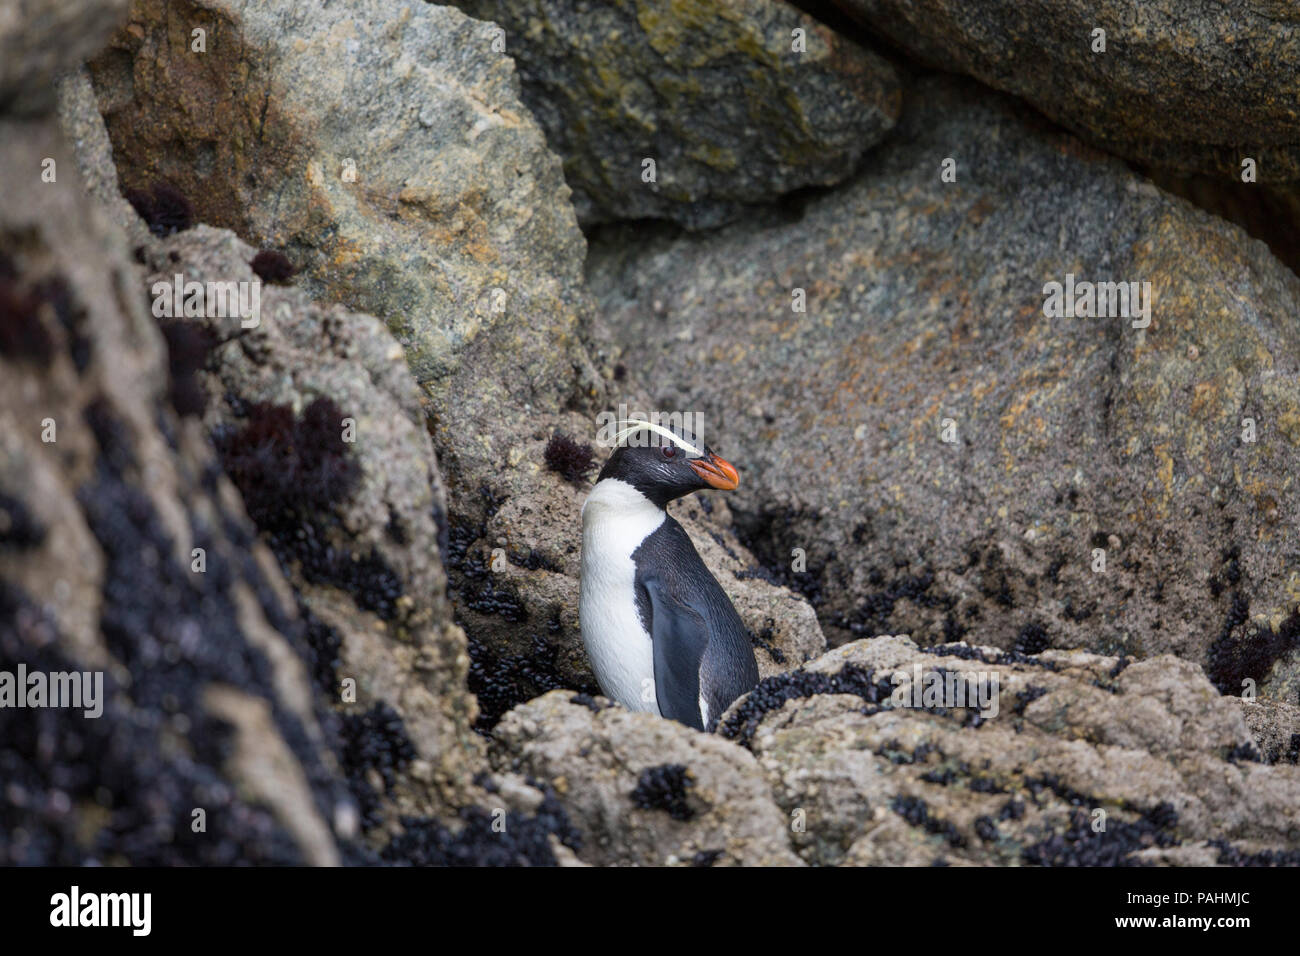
{"points": [[1071, 436], [125, 553], [411, 764], [1269, 212], [1275, 726], [84, 130], [39, 41], [385, 151], [269, 771], [352, 511], [1076, 760], [378, 613], [518, 823], [642, 790], [714, 92], [1193, 89]]}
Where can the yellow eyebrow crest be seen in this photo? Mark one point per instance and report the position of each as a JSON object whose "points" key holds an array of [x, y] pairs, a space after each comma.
{"points": [[635, 425]]}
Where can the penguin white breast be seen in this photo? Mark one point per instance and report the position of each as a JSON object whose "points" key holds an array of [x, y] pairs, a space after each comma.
{"points": [[616, 518]]}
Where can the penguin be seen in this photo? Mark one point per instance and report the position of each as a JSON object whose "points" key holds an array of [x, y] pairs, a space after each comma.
{"points": [[661, 634]]}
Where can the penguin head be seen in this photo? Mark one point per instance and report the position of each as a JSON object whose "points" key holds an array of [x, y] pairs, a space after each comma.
{"points": [[664, 466]]}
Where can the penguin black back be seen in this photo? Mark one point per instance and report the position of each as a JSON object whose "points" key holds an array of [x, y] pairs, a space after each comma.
{"points": [[700, 643]]}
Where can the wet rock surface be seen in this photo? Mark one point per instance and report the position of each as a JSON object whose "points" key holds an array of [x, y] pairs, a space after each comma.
{"points": [[952, 460], [734, 102]]}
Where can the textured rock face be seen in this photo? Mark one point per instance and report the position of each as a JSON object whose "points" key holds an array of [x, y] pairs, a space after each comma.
{"points": [[1190, 87], [124, 551], [714, 92], [1276, 726], [357, 527], [645, 791], [38, 41], [318, 421], [1068, 758], [353, 513], [1146, 750], [1070, 436], [385, 150]]}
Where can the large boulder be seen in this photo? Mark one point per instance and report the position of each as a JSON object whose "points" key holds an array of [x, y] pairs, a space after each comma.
{"points": [[355, 524], [950, 458], [642, 790], [126, 555], [1066, 759], [735, 102], [318, 421], [384, 149], [1191, 87]]}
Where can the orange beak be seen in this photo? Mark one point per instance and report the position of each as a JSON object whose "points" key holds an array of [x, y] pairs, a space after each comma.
{"points": [[716, 472]]}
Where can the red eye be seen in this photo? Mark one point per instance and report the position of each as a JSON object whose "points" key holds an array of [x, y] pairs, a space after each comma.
{"points": [[669, 451]]}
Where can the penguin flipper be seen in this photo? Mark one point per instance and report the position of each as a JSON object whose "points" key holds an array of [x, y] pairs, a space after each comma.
{"points": [[680, 637]]}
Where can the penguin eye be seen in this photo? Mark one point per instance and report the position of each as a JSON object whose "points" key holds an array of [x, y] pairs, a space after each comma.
{"points": [[670, 451]]}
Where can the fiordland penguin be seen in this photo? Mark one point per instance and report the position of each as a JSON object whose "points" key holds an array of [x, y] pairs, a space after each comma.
{"points": [[661, 634]]}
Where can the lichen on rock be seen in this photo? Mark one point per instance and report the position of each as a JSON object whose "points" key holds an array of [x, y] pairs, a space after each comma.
{"points": [[735, 102]]}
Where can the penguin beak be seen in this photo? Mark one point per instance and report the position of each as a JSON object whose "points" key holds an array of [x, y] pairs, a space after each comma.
{"points": [[716, 472]]}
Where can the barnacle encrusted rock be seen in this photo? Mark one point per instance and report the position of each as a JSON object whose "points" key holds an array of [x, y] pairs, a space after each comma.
{"points": [[1068, 758], [642, 790], [1192, 87], [1077, 759], [124, 551], [319, 423], [735, 101], [356, 525], [953, 460], [384, 149]]}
